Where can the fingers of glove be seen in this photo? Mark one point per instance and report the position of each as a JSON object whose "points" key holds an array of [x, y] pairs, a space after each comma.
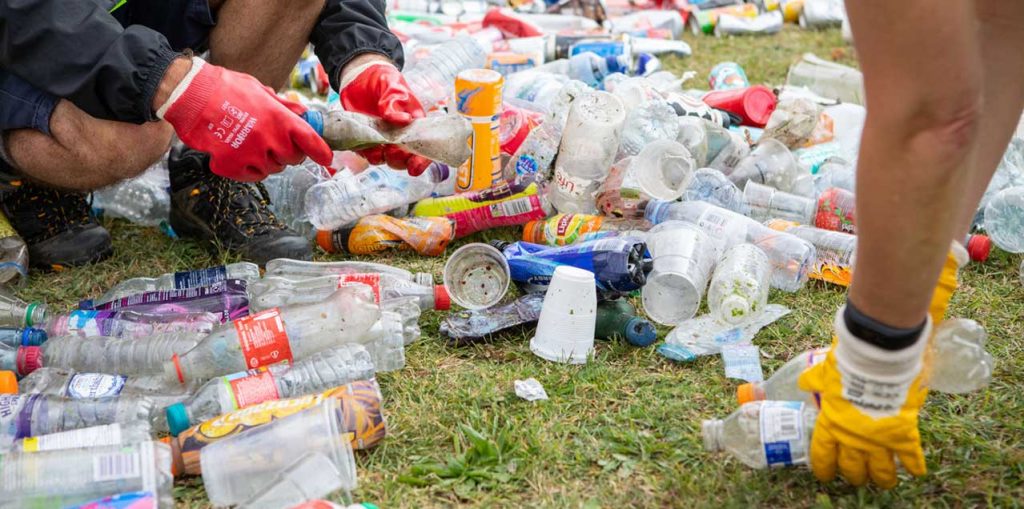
{"points": [[399, 107], [823, 453], [882, 468], [312, 145], [811, 380], [416, 165], [853, 465], [292, 106], [374, 155], [913, 461], [396, 157]]}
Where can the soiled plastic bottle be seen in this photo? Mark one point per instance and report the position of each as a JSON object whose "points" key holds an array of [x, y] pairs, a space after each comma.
{"points": [[63, 478], [348, 197], [739, 286], [276, 291], [791, 256], [764, 434], [13, 254], [28, 336], [181, 280], [505, 204], [15, 312], [130, 324], [28, 415], [279, 334], [564, 229], [588, 148], [287, 190], [835, 251], [428, 236], [300, 269], [1004, 219], [125, 356], [710, 185], [22, 360], [317, 373], [431, 79], [145, 199], [93, 436]]}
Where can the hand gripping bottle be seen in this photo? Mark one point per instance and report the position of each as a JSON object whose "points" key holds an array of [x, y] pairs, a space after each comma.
{"points": [[564, 229], [300, 269], [764, 434], [428, 236], [505, 204], [326, 369], [275, 291], [130, 324], [124, 356], [28, 415], [181, 280], [15, 312], [22, 360], [279, 334]]}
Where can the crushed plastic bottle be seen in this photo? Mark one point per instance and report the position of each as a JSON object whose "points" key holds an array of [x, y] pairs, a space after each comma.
{"points": [[93, 436], [651, 121], [348, 197], [276, 291], [287, 190], [706, 335], [15, 312], [661, 170], [27, 336], [431, 79], [588, 147], [125, 356], [27, 415], [428, 236], [278, 334], [1004, 219], [246, 271], [835, 251], [144, 200], [321, 371], [764, 434], [130, 324], [617, 263], [739, 286], [13, 255], [301, 269], [564, 229], [711, 186], [505, 204]]}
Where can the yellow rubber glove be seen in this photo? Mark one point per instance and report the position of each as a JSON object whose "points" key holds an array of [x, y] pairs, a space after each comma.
{"points": [[947, 283], [869, 400]]}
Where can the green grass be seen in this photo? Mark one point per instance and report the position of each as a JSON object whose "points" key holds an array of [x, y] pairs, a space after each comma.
{"points": [[624, 430]]}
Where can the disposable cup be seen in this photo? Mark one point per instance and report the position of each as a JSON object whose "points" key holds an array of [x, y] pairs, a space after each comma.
{"points": [[683, 257], [663, 169], [476, 276], [568, 317]]}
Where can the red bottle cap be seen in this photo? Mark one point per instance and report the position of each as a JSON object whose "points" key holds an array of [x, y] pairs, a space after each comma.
{"points": [[979, 247], [30, 358], [442, 300]]}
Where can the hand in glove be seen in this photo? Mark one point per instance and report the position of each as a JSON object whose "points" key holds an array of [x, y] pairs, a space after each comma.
{"points": [[246, 128], [378, 89]]}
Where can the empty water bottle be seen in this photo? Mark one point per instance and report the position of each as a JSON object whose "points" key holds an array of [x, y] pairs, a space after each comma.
{"points": [[130, 324], [585, 155], [22, 360], [651, 121], [764, 434], [144, 199], [28, 415], [74, 385], [275, 291], [287, 191], [13, 254], [588, 67], [319, 372], [348, 197], [125, 356], [431, 78], [15, 312], [300, 269], [765, 202], [710, 185], [1004, 219], [93, 436], [835, 251], [181, 280], [772, 164], [28, 336], [739, 286]]}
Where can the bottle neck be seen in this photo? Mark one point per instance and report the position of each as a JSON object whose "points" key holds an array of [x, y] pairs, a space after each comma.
{"points": [[712, 432]]}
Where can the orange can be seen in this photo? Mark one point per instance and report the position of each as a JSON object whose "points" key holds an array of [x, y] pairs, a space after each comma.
{"points": [[478, 98]]}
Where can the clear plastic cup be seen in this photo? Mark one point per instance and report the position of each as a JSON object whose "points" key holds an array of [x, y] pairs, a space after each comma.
{"points": [[683, 258], [771, 163], [765, 202], [476, 276], [568, 317]]}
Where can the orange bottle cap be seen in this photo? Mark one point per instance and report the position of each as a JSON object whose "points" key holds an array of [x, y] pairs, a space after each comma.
{"points": [[748, 392], [533, 232], [8, 382]]}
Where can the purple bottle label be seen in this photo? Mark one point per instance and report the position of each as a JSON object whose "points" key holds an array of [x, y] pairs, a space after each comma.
{"points": [[131, 500], [198, 278], [227, 298], [16, 415]]}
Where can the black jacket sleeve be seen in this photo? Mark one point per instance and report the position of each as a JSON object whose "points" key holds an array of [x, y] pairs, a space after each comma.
{"points": [[347, 28], [78, 51]]}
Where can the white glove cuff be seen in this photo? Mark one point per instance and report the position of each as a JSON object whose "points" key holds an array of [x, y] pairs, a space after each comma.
{"points": [[351, 74], [197, 65], [959, 253]]}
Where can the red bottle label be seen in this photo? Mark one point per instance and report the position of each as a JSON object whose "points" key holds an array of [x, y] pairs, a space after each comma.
{"points": [[263, 339], [253, 389], [371, 280]]}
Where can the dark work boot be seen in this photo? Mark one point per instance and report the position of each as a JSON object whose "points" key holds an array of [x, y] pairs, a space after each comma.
{"points": [[234, 215], [57, 225]]}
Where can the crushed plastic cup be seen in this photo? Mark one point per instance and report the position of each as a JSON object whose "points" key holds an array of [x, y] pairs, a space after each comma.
{"points": [[664, 169], [476, 276], [238, 467], [568, 317]]}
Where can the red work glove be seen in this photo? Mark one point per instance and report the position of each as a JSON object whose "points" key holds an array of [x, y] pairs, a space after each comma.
{"points": [[248, 131], [378, 89]]}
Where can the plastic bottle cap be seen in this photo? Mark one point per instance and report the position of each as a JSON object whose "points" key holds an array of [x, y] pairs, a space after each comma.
{"points": [[748, 392], [640, 332], [323, 239], [32, 337], [30, 358], [979, 247], [442, 301], [735, 308], [8, 382], [177, 419], [534, 232]]}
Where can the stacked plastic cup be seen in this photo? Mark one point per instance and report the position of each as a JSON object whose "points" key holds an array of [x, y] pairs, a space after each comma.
{"points": [[476, 276], [568, 317], [683, 258]]}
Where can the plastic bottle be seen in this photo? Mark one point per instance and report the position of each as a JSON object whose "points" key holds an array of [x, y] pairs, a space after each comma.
{"points": [[130, 324], [771, 163], [793, 122], [588, 147], [319, 372], [536, 87], [764, 434], [506, 204], [63, 478], [22, 360], [564, 229], [287, 191], [617, 319], [301, 269], [228, 299], [764, 202], [428, 236], [617, 263], [834, 172], [182, 280], [478, 99], [835, 251], [278, 334], [651, 121], [739, 286], [15, 312], [1004, 219], [71, 384], [94, 436], [711, 186], [28, 336], [431, 79], [348, 197], [836, 211], [125, 356], [275, 291], [28, 415], [791, 256], [13, 255], [145, 199], [588, 67]]}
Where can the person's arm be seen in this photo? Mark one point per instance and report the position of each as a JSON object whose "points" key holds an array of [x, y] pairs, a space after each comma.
{"points": [[349, 28], [78, 51]]}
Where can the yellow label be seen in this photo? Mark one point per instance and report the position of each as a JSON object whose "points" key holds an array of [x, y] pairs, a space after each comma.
{"points": [[30, 444]]}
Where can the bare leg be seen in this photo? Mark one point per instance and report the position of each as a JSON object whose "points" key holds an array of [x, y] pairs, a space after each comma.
{"points": [[86, 153], [1002, 39], [922, 75], [263, 38]]}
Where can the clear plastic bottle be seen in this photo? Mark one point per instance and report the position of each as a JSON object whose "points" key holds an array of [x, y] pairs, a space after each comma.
{"points": [[13, 254], [77, 385], [651, 121], [386, 340], [22, 360], [319, 372], [1004, 219], [15, 312], [28, 336], [62, 478], [125, 356], [348, 197], [93, 436], [182, 280], [712, 186], [835, 251], [764, 434], [276, 291], [431, 79], [279, 334], [536, 87], [587, 150], [765, 202], [588, 67], [130, 324], [739, 286], [770, 163], [27, 415], [835, 172], [301, 269], [791, 256], [287, 191], [145, 199]]}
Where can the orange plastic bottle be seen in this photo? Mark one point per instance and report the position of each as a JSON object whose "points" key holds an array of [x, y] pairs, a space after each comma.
{"points": [[372, 234]]}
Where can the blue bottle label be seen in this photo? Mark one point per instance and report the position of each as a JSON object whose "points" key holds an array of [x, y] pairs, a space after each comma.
{"points": [[94, 385]]}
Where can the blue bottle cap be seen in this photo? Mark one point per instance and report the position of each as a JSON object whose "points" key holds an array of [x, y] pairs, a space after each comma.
{"points": [[32, 337], [315, 119], [640, 332], [177, 418]]}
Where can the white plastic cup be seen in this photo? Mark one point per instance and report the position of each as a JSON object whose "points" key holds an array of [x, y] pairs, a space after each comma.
{"points": [[238, 467], [663, 169], [568, 317], [476, 276], [683, 258]]}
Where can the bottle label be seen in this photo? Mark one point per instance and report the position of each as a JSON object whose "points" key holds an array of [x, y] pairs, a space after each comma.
{"points": [[782, 432], [203, 277], [371, 280], [569, 185], [263, 339], [526, 165], [94, 385], [249, 388], [85, 321], [86, 437], [515, 207], [511, 208], [564, 229]]}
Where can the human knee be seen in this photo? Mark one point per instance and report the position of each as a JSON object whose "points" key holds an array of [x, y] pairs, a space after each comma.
{"points": [[937, 126]]}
